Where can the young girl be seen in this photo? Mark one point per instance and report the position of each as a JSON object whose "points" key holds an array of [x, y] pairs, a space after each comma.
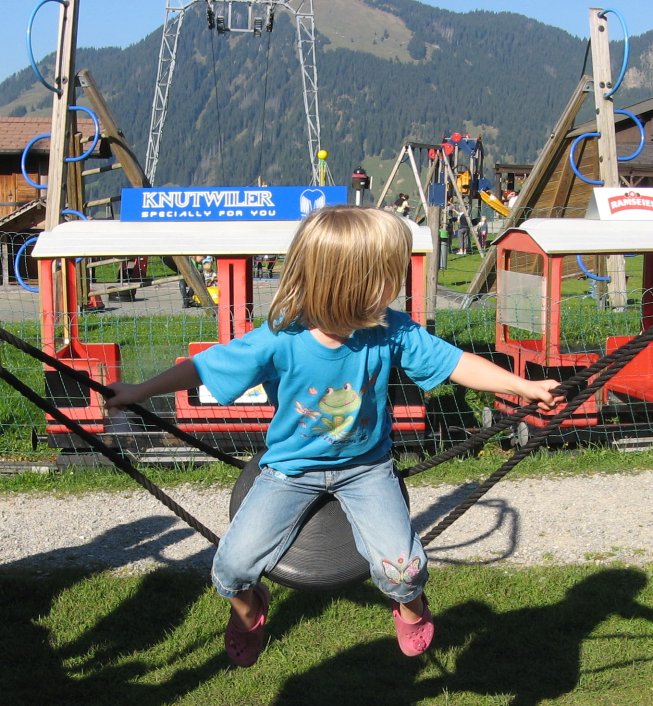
{"points": [[324, 358]]}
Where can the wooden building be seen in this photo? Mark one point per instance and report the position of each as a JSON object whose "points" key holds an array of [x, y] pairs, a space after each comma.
{"points": [[22, 206]]}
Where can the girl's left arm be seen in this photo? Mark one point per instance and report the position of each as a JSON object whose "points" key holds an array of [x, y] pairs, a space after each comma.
{"points": [[480, 374]]}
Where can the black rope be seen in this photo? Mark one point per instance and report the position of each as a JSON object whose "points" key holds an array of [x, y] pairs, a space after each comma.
{"points": [[569, 388], [107, 392], [615, 362], [116, 458], [605, 368]]}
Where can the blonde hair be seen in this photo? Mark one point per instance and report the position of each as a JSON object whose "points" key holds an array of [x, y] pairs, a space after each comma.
{"points": [[342, 264]]}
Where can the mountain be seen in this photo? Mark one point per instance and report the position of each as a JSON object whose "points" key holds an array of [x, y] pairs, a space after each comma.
{"points": [[388, 70]]}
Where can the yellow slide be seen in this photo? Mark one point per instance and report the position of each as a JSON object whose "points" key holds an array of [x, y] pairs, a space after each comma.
{"points": [[493, 202]]}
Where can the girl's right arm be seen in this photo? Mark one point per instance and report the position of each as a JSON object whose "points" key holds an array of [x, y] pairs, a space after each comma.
{"points": [[182, 376]]}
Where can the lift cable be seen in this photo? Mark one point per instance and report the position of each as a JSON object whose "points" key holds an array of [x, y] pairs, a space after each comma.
{"points": [[217, 108], [265, 100]]}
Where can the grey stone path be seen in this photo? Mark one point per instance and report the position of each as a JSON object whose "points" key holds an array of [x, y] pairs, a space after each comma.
{"points": [[600, 518]]}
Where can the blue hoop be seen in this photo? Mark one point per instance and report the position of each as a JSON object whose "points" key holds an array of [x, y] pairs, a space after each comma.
{"points": [[96, 136], [591, 275], [73, 212], [642, 136], [19, 254], [30, 52], [23, 161], [47, 135], [624, 63], [572, 159]]}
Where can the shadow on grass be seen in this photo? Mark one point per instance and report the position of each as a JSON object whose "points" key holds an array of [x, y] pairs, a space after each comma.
{"points": [[158, 637], [528, 654], [99, 666]]}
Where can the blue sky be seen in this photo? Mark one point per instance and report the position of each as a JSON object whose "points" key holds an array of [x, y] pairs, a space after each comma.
{"points": [[123, 22]]}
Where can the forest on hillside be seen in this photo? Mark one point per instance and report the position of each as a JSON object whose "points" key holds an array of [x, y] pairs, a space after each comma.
{"points": [[236, 108]]}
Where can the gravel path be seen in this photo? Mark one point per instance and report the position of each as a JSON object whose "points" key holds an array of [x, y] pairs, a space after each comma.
{"points": [[600, 518]]}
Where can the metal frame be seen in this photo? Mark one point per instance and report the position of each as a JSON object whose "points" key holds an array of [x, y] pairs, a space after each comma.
{"points": [[305, 26]]}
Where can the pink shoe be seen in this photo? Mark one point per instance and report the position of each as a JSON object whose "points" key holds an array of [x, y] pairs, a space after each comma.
{"points": [[414, 638], [244, 646]]}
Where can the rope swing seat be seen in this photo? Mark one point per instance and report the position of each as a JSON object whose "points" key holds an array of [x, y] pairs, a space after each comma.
{"points": [[323, 555]]}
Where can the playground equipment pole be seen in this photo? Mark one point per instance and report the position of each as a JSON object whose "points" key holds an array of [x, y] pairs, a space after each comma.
{"points": [[57, 167], [607, 143]]}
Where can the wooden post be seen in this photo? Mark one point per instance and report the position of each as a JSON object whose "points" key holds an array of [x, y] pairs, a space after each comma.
{"points": [[607, 143], [119, 146], [393, 173], [59, 133], [422, 197]]}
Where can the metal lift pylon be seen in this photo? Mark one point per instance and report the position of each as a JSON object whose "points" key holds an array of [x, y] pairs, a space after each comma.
{"points": [[302, 10]]}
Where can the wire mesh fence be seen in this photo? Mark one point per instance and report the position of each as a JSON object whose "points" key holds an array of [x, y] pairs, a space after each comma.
{"points": [[135, 320]]}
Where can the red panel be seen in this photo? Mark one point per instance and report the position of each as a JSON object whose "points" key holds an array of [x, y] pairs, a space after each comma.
{"points": [[635, 379], [94, 412]]}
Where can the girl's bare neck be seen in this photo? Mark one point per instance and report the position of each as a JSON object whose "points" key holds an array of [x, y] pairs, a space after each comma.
{"points": [[328, 339]]}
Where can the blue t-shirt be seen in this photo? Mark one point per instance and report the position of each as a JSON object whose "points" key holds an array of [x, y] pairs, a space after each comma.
{"points": [[331, 402]]}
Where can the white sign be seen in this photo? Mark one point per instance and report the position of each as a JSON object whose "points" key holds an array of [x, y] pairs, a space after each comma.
{"points": [[629, 204]]}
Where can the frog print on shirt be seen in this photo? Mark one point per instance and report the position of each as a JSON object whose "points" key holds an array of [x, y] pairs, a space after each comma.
{"points": [[334, 414]]}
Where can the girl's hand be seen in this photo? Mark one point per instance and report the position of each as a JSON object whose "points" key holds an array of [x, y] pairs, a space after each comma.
{"points": [[182, 376], [126, 394], [540, 391]]}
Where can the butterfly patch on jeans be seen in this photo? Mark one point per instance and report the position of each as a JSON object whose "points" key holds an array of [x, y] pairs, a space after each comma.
{"points": [[398, 574]]}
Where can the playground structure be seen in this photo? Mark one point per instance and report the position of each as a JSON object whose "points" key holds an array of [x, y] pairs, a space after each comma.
{"points": [[571, 166], [575, 159], [533, 257], [454, 181]]}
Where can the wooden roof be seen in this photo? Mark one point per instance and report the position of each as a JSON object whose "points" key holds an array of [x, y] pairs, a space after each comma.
{"points": [[15, 133], [27, 217], [580, 236]]}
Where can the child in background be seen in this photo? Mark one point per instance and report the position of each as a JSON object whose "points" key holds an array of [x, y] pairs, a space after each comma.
{"points": [[324, 357], [210, 278], [187, 293], [482, 232]]}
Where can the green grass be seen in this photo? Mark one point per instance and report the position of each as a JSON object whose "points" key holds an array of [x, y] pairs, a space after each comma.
{"points": [[461, 269], [571, 636], [545, 463]]}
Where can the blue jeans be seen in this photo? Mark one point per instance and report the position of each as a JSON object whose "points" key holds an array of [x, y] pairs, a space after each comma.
{"points": [[272, 512]]}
